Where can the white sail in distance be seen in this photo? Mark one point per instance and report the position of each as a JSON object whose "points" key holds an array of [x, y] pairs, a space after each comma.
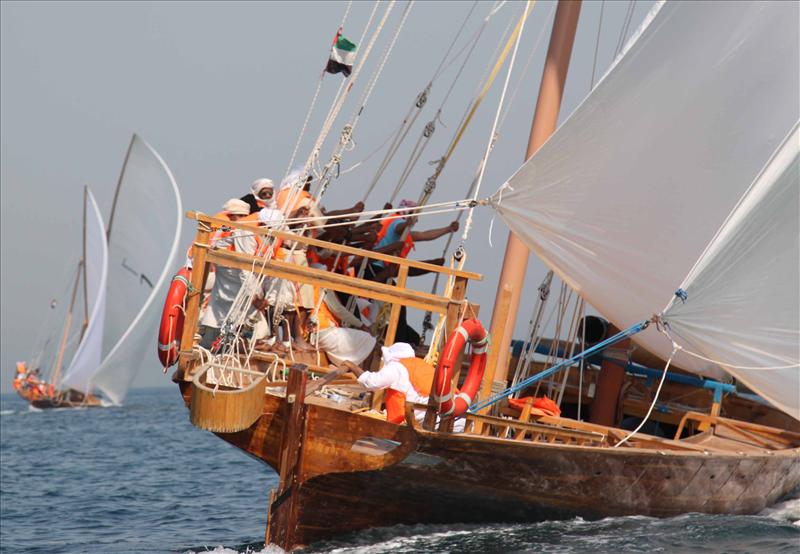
{"points": [[89, 353], [742, 305], [624, 198], [144, 232]]}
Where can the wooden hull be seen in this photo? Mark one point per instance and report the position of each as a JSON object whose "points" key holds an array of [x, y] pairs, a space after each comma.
{"points": [[69, 399], [355, 472]]}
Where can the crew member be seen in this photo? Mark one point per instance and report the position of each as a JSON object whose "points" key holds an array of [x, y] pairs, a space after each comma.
{"points": [[403, 376], [352, 344], [262, 193]]}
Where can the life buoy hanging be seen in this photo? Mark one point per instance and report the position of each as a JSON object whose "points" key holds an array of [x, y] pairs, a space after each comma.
{"points": [[470, 330], [172, 318]]}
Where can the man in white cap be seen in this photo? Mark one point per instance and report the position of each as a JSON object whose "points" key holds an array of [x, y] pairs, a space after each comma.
{"points": [[262, 195], [403, 376], [228, 281]]}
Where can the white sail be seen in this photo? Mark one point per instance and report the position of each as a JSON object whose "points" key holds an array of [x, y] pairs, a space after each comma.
{"points": [[625, 196], [89, 353], [742, 305], [144, 233]]}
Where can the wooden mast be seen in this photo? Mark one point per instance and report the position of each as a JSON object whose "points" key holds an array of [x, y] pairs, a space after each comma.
{"points": [[544, 124], [83, 259], [119, 185], [67, 324]]}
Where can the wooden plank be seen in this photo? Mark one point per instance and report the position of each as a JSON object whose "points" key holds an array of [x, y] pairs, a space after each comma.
{"points": [[394, 315], [329, 280], [453, 312], [264, 231], [195, 295], [284, 509], [494, 353]]}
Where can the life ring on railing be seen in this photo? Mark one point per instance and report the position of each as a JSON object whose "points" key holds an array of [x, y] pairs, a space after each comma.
{"points": [[172, 318], [470, 330]]}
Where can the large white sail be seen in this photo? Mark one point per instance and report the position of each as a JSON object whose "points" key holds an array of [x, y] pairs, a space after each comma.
{"points": [[742, 305], [144, 233], [89, 353], [626, 195]]}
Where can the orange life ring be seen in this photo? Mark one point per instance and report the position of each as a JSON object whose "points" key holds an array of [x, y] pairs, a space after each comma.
{"points": [[172, 318], [470, 330]]}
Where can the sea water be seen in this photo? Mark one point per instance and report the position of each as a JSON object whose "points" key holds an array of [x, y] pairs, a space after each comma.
{"points": [[140, 478]]}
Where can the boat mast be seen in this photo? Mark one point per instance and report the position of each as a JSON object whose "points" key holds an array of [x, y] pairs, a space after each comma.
{"points": [[67, 324], [83, 259], [545, 120], [119, 185]]}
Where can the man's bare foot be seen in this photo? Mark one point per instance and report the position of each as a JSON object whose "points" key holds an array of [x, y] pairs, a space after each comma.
{"points": [[301, 345], [263, 346], [280, 349]]}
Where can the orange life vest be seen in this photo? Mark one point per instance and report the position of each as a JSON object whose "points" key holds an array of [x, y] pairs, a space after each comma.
{"points": [[282, 199], [408, 242], [325, 317], [421, 376]]}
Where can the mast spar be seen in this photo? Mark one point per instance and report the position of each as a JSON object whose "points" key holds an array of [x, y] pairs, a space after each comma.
{"points": [[545, 120], [67, 324], [119, 185]]}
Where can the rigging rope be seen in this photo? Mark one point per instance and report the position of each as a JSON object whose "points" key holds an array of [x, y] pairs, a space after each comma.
{"points": [[314, 99], [597, 43], [490, 142], [630, 331]]}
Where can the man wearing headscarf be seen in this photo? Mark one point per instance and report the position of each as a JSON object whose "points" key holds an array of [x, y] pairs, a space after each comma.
{"points": [[403, 377], [228, 281], [262, 193]]}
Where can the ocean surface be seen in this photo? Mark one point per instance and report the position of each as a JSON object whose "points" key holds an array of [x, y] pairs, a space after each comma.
{"points": [[140, 478]]}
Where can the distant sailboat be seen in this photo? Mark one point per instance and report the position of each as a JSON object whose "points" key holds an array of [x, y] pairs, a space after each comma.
{"points": [[124, 269]]}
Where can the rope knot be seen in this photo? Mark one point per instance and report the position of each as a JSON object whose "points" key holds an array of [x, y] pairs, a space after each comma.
{"points": [[680, 293], [422, 98], [430, 127], [347, 133]]}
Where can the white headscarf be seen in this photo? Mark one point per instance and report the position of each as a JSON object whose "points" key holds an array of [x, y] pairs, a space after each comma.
{"points": [[261, 184], [270, 216], [236, 207], [397, 351], [292, 178]]}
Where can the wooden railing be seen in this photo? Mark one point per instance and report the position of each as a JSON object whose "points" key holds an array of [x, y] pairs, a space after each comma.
{"points": [[396, 295], [762, 436]]}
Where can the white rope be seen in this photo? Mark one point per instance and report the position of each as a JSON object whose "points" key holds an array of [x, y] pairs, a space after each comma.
{"points": [[675, 348], [314, 100], [351, 126], [468, 223]]}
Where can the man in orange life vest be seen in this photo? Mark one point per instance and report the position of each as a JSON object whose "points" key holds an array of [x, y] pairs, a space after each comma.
{"points": [[227, 281], [391, 236], [403, 376], [261, 195]]}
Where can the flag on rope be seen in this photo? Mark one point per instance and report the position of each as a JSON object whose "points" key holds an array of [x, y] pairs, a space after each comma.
{"points": [[343, 54]]}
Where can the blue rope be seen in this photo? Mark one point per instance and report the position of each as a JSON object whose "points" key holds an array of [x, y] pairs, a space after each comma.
{"points": [[642, 325]]}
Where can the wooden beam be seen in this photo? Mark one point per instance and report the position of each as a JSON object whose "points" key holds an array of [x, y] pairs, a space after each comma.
{"points": [[327, 279], [264, 231], [195, 293], [492, 373], [394, 315], [284, 509]]}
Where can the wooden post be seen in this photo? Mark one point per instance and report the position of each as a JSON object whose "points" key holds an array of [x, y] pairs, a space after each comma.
{"points": [[603, 410], [195, 293], [503, 306], [283, 511], [394, 315], [544, 124], [453, 316]]}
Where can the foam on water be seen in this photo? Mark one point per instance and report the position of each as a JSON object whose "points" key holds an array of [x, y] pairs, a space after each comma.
{"points": [[788, 510]]}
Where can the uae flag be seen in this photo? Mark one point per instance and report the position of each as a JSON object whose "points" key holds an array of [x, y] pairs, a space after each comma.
{"points": [[343, 54]]}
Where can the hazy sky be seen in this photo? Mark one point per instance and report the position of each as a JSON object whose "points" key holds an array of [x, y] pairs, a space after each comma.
{"points": [[220, 90]]}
